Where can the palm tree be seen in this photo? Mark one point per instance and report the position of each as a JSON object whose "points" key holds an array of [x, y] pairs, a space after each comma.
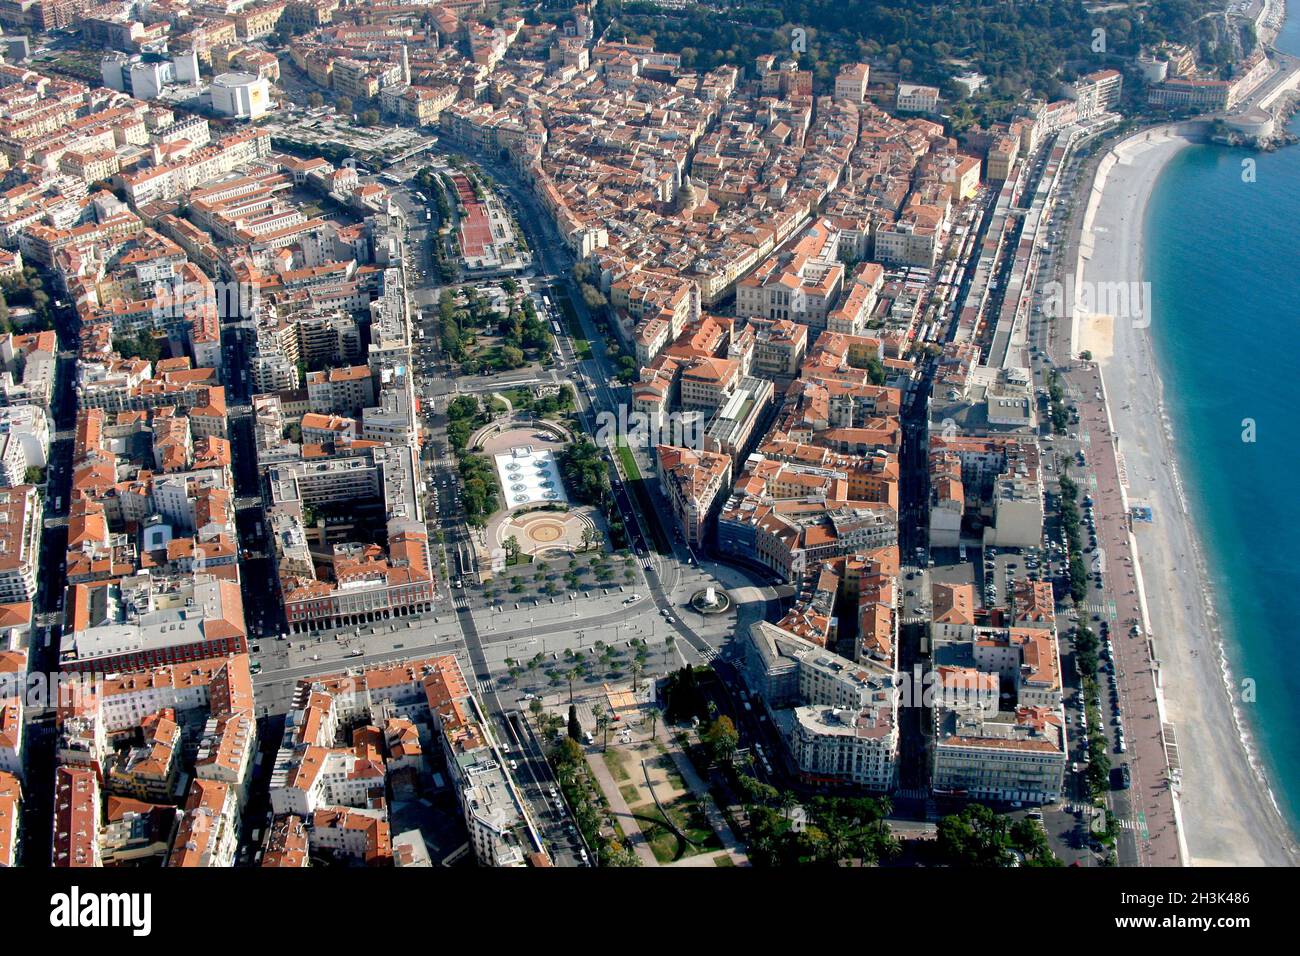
{"points": [[636, 673], [788, 802], [653, 711], [602, 723]]}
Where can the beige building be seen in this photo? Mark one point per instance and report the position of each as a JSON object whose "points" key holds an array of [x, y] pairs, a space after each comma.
{"points": [[693, 482]]}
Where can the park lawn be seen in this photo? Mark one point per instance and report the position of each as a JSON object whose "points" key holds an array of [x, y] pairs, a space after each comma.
{"points": [[630, 793], [687, 816], [629, 462], [675, 779], [614, 761], [663, 843], [723, 859]]}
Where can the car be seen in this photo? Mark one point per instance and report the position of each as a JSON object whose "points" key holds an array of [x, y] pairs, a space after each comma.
{"points": [[514, 765], [551, 792]]}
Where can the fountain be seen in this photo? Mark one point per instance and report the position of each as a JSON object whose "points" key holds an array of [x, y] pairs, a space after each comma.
{"points": [[711, 600]]}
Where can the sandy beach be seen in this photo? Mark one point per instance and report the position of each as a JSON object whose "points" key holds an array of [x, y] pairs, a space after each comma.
{"points": [[1226, 811]]}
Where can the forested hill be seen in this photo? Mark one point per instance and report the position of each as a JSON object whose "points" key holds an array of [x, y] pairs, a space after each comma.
{"points": [[1019, 44]]}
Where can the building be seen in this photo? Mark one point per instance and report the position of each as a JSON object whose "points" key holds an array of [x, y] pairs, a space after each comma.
{"points": [[838, 718], [76, 818], [20, 528], [695, 482], [1096, 93], [136, 623], [241, 95], [11, 811], [494, 811], [851, 82], [149, 772], [800, 284], [342, 391], [914, 98], [208, 835], [1018, 756]]}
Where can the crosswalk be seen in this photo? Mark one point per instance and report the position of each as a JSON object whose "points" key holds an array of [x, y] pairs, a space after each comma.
{"points": [[484, 687]]}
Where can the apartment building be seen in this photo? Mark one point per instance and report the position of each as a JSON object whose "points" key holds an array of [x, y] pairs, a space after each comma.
{"points": [[1016, 756], [20, 528], [1096, 92], [801, 284], [77, 815], [149, 771], [494, 812], [915, 98], [838, 718], [851, 82], [341, 391], [695, 482], [11, 811], [136, 623], [208, 833]]}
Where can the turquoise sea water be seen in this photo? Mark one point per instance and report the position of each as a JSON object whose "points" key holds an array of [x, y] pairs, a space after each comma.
{"points": [[1223, 260]]}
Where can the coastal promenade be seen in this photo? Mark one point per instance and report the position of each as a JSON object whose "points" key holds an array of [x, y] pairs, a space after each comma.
{"points": [[1174, 675]]}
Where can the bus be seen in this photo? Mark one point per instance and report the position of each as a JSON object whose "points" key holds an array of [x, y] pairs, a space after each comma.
{"points": [[556, 326], [961, 552]]}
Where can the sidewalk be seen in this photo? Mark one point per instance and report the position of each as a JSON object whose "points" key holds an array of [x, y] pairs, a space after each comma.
{"points": [[619, 809], [701, 790]]}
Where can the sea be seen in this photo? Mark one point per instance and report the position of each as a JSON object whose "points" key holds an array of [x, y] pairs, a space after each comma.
{"points": [[1222, 254]]}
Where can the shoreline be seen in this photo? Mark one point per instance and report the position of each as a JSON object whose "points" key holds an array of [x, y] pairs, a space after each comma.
{"points": [[1227, 812]]}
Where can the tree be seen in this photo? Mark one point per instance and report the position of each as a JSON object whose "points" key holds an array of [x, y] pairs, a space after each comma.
{"points": [[142, 345], [343, 104], [980, 838], [315, 100], [369, 118], [535, 708], [722, 739], [788, 802], [654, 712], [575, 729], [574, 673]]}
